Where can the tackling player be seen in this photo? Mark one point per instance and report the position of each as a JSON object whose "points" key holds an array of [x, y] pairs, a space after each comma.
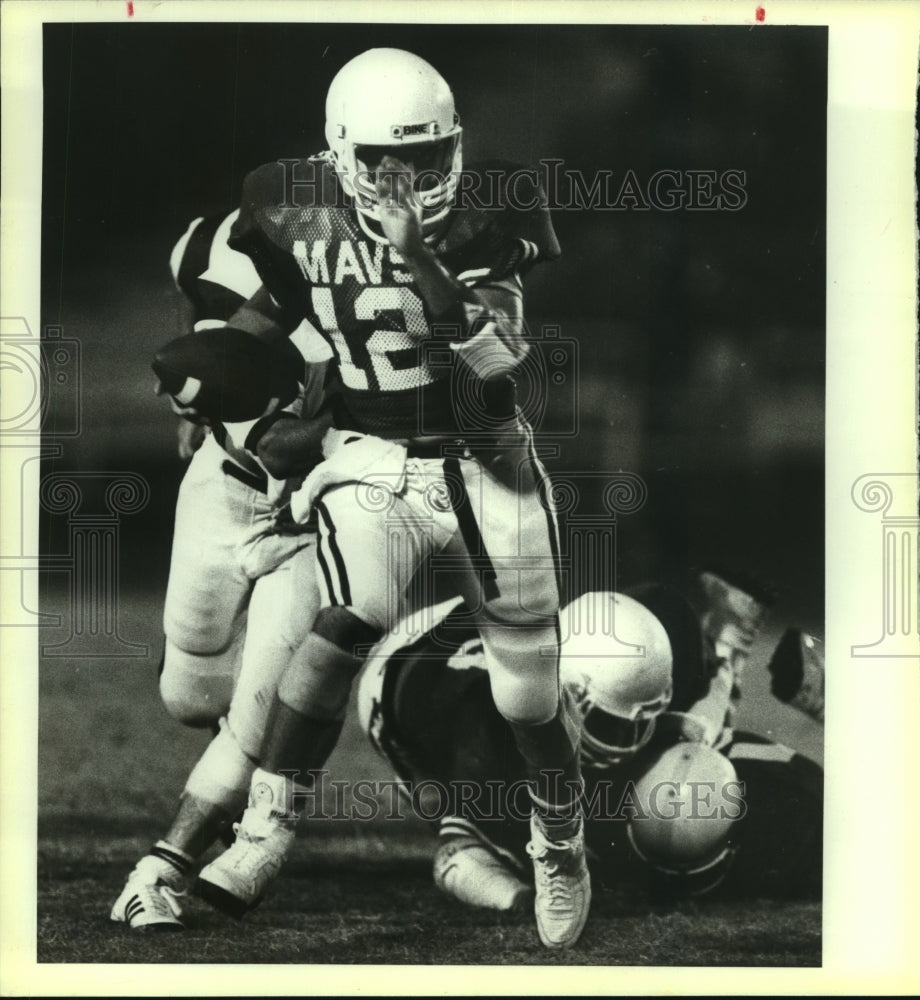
{"points": [[241, 594], [677, 804], [411, 265]]}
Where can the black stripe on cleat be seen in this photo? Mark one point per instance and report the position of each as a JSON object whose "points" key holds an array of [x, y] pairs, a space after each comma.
{"points": [[222, 900]]}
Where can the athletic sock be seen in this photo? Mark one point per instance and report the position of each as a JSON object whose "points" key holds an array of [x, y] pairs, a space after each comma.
{"points": [[179, 859]]}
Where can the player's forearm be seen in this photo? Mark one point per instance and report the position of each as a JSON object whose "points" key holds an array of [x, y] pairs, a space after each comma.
{"points": [[713, 708], [263, 317], [442, 292], [489, 335], [294, 447]]}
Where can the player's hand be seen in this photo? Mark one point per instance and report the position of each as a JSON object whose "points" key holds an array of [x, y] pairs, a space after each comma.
{"points": [[190, 437], [400, 209]]}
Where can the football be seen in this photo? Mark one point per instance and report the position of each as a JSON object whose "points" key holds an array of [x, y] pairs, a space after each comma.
{"points": [[228, 374]]}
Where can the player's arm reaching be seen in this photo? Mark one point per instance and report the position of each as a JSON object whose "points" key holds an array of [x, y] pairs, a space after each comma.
{"points": [[293, 447], [262, 316], [490, 321]]}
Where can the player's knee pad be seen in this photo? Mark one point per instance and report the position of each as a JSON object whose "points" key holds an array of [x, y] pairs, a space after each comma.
{"points": [[221, 776], [318, 679], [195, 689], [523, 665], [553, 741]]}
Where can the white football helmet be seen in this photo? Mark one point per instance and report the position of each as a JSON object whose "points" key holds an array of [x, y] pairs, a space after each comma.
{"points": [[690, 798], [391, 101], [616, 660]]}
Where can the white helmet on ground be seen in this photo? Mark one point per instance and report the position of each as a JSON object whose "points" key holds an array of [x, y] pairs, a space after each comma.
{"points": [[688, 801], [616, 660], [391, 101]]}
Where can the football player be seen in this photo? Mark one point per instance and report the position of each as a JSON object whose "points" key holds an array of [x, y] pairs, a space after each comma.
{"points": [[677, 803], [411, 265], [241, 594]]}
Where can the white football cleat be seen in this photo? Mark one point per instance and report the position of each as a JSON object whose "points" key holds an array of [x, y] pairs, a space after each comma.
{"points": [[151, 898], [473, 871], [563, 885], [237, 880]]}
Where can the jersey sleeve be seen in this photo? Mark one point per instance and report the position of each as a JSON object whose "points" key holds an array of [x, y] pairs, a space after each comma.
{"points": [[504, 226], [180, 253], [215, 279]]}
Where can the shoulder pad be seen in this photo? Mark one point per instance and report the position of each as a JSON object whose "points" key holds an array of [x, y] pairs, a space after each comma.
{"points": [[291, 184], [278, 199], [501, 215]]}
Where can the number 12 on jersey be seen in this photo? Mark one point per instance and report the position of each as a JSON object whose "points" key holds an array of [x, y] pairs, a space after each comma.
{"points": [[386, 358]]}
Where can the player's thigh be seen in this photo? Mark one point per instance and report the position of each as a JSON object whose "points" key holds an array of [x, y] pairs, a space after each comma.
{"points": [[370, 546], [509, 531], [208, 591], [506, 536], [196, 688]]}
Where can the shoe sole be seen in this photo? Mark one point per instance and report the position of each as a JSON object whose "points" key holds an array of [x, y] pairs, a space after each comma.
{"points": [[157, 929], [160, 927], [224, 900]]}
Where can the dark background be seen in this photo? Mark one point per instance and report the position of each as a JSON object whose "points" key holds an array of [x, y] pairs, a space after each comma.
{"points": [[700, 334]]}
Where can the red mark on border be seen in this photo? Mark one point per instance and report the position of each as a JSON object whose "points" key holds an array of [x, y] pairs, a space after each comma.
{"points": [[760, 14], [130, 9]]}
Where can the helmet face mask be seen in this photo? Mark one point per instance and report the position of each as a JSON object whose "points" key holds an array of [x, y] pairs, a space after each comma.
{"points": [[607, 739], [429, 163], [387, 102]]}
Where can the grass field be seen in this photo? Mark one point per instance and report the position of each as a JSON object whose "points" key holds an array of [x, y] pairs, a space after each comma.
{"points": [[111, 763]]}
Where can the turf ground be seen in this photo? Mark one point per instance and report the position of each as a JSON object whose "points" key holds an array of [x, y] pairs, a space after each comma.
{"points": [[111, 763]]}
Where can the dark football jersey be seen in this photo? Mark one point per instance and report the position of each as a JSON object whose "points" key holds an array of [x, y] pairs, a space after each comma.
{"points": [[320, 261]]}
